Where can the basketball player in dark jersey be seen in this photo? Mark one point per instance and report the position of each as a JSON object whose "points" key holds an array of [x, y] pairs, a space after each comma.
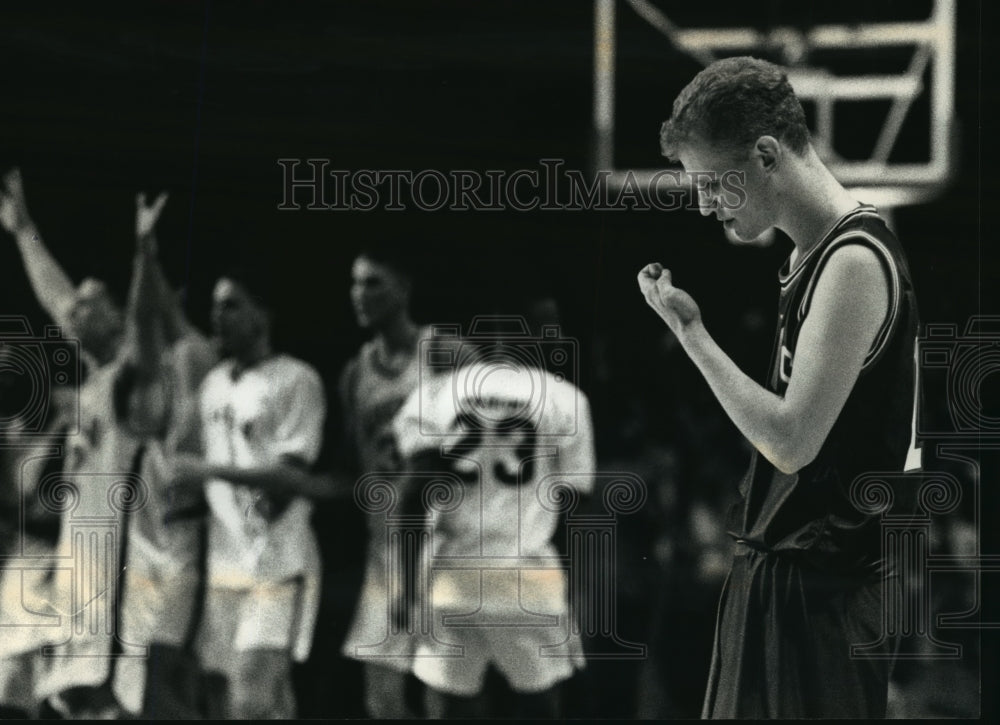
{"points": [[840, 401]]}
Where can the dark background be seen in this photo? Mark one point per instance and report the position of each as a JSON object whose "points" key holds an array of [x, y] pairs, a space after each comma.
{"points": [[202, 99]]}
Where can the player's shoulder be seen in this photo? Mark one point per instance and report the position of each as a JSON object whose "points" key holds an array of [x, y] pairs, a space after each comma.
{"points": [[360, 365], [855, 280], [868, 219], [103, 380], [220, 372], [284, 368], [853, 257], [217, 381], [193, 346], [864, 256], [566, 405], [860, 254], [434, 394], [865, 228], [561, 390]]}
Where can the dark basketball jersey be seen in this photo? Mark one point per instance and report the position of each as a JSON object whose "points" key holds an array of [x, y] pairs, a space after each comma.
{"points": [[809, 513]]}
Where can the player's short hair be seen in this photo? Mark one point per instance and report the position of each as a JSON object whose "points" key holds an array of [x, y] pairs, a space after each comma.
{"points": [[733, 102], [395, 255], [94, 290], [255, 281]]}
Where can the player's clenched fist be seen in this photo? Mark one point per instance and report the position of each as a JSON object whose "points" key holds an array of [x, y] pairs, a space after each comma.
{"points": [[675, 306]]}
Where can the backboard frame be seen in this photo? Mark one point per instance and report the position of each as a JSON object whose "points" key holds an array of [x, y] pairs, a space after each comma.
{"points": [[877, 180]]}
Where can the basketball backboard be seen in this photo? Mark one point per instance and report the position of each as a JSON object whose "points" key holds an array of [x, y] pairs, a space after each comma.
{"points": [[849, 72]]}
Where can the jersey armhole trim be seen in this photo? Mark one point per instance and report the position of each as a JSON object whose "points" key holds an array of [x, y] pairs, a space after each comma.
{"points": [[891, 270]]}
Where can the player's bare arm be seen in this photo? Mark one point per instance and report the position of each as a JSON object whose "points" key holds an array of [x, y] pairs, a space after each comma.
{"points": [[288, 478], [146, 263], [144, 301], [148, 399], [195, 356], [850, 303], [52, 286], [175, 323]]}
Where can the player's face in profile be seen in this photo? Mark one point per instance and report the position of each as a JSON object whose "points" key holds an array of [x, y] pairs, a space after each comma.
{"points": [[729, 185], [377, 293], [236, 320]]}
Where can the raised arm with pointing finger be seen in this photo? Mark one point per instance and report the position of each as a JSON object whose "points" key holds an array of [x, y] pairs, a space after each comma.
{"points": [[52, 286], [87, 311]]}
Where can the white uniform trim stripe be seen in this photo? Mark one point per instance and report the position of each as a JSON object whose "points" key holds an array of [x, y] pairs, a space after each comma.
{"points": [[914, 454]]}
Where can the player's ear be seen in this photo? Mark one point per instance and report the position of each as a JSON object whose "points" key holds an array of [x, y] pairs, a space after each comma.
{"points": [[767, 151]]}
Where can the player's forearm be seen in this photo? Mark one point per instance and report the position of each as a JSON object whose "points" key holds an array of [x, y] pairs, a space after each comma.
{"points": [[52, 286], [281, 479], [141, 318], [175, 323], [759, 414]]}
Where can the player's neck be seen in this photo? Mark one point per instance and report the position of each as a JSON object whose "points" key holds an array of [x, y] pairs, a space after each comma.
{"points": [[395, 346], [398, 335], [817, 203], [103, 354], [254, 353]]}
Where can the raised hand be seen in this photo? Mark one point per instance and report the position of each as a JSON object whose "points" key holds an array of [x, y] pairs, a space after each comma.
{"points": [[674, 306], [146, 216], [13, 208]]}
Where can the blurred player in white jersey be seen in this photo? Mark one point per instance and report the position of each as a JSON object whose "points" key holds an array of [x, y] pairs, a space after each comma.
{"points": [[162, 563], [498, 587], [373, 387], [261, 415], [122, 406], [27, 531]]}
